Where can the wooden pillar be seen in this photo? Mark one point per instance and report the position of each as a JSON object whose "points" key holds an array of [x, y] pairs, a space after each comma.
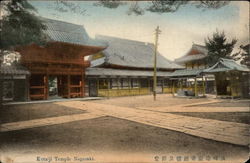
{"points": [[45, 87], [149, 85], [1, 89], [215, 85], [109, 85], [82, 84], [68, 85], [97, 87], [203, 86], [27, 89], [163, 84], [173, 91], [195, 87], [181, 84], [47, 83], [231, 80]]}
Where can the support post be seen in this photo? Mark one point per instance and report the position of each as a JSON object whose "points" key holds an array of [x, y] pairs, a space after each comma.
{"points": [[97, 81], [68, 85], [82, 84], [230, 84], [27, 89], [157, 32], [215, 86], [163, 84], [181, 84], [195, 87], [173, 91], [109, 84], [1, 89], [203, 85]]}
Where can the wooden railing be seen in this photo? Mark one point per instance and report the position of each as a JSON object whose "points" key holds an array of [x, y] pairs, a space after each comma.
{"points": [[123, 92]]}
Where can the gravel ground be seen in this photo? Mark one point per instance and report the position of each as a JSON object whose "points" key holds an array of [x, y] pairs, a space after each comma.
{"points": [[226, 103], [15, 113], [109, 134], [162, 100], [239, 117]]}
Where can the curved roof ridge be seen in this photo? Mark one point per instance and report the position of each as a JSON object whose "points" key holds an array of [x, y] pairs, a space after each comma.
{"points": [[113, 38], [60, 21]]}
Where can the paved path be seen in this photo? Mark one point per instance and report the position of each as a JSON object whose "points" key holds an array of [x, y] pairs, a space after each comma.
{"points": [[54, 100], [230, 132], [46, 121], [196, 109]]}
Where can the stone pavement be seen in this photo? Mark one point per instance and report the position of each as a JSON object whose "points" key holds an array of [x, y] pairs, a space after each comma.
{"points": [[46, 121], [196, 109], [229, 132], [54, 100]]}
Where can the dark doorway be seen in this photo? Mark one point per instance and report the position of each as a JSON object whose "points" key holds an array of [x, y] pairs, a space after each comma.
{"points": [[93, 88], [53, 87]]}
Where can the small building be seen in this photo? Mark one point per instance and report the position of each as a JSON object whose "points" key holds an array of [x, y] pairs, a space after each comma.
{"points": [[126, 68], [194, 58], [188, 82], [58, 68], [232, 79], [14, 82], [194, 62]]}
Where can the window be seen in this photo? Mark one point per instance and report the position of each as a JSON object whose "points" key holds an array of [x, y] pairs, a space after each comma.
{"points": [[115, 83], [125, 83], [135, 83], [103, 84], [159, 82], [8, 90], [144, 83], [167, 83]]}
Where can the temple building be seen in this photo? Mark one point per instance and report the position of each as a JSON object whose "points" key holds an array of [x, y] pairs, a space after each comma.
{"points": [[14, 82], [232, 79], [191, 78], [194, 58], [57, 69], [126, 68]]}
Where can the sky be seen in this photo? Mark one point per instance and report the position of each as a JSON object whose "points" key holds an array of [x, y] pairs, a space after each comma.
{"points": [[179, 30]]}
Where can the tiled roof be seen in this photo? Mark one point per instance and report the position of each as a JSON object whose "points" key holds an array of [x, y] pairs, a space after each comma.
{"points": [[186, 73], [227, 65], [118, 72], [13, 70], [129, 53], [69, 33], [187, 57]]}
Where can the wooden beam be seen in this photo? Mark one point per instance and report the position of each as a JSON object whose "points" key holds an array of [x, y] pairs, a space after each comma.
{"points": [[47, 87], [68, 85], [215, 85], [82, 83], [181, 84], [27, 89], [195, 87], [173, 87], [97, 86], [203, 86], [108, 80]]}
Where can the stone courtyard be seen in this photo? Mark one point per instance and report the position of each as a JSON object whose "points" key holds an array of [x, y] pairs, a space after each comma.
{"points": [[136, 127]]}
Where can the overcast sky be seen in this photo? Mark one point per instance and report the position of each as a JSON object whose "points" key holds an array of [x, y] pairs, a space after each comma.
{"points": [[179, 29]]}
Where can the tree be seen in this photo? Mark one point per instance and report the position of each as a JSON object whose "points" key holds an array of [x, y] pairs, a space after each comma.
{"points": [[156, 6], [243, 55], [218, 47], [163, 6], [20, 26]]}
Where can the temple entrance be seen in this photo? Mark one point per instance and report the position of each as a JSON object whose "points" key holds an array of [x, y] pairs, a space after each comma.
{"points": [[53, 89], [56, 86], [222, 84]]}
